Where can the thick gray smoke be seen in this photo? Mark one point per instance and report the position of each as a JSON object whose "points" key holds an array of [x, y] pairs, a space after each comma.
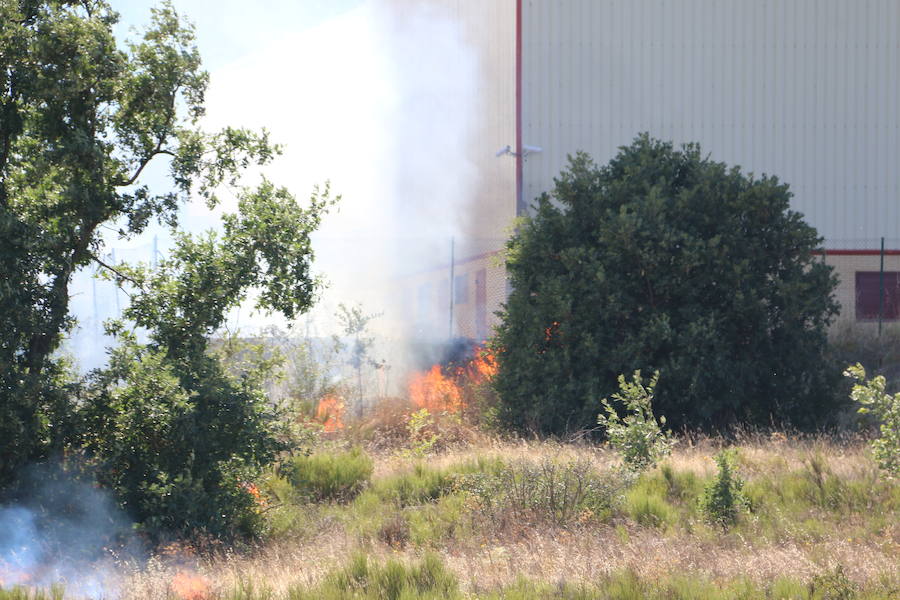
{"points": [[63, 531]]}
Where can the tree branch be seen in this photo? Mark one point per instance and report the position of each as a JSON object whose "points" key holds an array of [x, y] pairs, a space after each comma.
{"points": [[117, 273], [157, 151]]}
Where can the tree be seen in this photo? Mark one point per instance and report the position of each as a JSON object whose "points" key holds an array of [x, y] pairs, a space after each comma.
{"points": [[665, 260], [80, 120]]}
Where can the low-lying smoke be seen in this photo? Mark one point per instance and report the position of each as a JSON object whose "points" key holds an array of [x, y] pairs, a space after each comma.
{"points": [[60, 530]]}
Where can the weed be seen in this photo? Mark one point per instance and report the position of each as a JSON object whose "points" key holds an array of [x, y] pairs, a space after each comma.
{"points": [[422, 437], [637, 436], [394, 531]]}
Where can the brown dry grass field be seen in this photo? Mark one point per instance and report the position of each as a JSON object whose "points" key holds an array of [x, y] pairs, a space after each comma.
{"points": [[818, 515]]}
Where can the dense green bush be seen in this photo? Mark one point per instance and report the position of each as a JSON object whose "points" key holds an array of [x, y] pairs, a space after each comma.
{"points": [[665, 260], [335, 476]]}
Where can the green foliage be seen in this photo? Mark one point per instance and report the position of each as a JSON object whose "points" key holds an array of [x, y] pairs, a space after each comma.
{"points": [[422, 437], [637, 436], [873, 399], [558, 492], [179, 443], [354, 323], [666, 260], [363, 579], [80, 119], [176, 437], [330, 476], [832, 585], [722, 497], [56, 592], [648, 510]]}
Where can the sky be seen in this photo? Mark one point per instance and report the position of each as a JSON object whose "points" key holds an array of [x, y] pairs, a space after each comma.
{"points": [[382, 110]]}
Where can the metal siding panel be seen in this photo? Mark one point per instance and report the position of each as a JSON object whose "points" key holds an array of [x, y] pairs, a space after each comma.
{"points": [[804, 90]]}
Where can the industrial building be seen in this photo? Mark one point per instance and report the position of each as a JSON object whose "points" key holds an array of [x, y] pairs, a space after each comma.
{"points": [[806, 90]]}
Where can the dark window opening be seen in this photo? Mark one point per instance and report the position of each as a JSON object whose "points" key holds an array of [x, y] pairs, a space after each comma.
{"points": [[869, 299]]}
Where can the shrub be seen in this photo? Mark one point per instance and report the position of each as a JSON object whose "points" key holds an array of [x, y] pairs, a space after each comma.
{"points": [[425, 484], [363, 579], [832, 585], [554, 491], [637, 436], [668, 260], [722, 497], [648, 509], [422, 437], [873, 398], [335, 476]]}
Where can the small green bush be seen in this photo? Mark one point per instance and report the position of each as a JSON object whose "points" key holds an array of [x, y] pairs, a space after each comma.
{"points": [[425, 484], [363, 579], [680, 485], [556, 491], [335, 477], [648, 509], [637, 436], [873, 398], [832, 585], [722, 497]]}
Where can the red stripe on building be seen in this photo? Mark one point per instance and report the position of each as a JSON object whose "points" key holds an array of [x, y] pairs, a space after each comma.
{"points": [[857, 252], [520, 192]]}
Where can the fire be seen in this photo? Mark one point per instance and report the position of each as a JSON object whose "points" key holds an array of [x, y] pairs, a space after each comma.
{"points": [[483, 367], [190, 586], [549, 332], [435, 391], [253, 490], [330, 412]]}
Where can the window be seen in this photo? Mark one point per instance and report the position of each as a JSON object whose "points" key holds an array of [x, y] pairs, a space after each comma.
{"points": [[461, 289], [868, 301]]}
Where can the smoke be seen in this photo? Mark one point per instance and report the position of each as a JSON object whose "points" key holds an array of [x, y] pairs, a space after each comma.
{"points": [[381, 101], [64, 531]]}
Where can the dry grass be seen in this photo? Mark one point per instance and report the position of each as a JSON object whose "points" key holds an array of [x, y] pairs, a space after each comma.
{"points": [[491, 558]]}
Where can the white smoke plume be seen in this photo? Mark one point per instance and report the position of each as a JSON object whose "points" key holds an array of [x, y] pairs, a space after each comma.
{"points": [[61, 531], [380, 100]]}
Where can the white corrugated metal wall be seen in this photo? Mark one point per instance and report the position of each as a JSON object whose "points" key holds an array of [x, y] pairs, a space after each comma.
{"points": [[808, 90]]}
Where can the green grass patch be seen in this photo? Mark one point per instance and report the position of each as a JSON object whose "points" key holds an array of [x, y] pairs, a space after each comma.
{"points": [[329, 476]]}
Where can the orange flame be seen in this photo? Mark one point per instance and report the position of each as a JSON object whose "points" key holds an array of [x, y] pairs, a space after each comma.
{"points": [[439, 392], [549, 332], [254, 491], [483, 367], [330, 413], [190, 586], [435, 391]]}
